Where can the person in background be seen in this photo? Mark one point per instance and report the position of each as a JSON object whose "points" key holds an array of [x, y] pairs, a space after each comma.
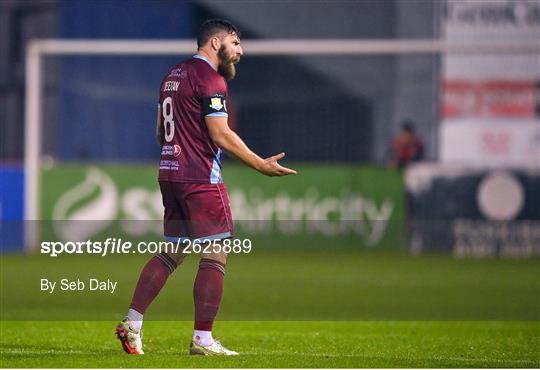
{"points": [[406, 146]]}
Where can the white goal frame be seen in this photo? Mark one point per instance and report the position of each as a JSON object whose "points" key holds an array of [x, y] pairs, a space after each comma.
{"points": [[36, 50]]}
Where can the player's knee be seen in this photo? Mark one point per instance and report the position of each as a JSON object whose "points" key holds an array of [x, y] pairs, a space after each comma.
{"points": [[219, 257], [216, 254], [178, 258]]}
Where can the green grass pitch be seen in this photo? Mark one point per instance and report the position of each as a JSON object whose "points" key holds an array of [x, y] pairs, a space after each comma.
{"points": [[318, 308], [280, 344]]}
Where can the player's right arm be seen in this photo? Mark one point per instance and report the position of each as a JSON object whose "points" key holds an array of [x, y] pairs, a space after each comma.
{"points": [[228, 140]]}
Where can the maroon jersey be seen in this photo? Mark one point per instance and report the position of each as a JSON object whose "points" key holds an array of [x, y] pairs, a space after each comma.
{"points": [[189, 92]]}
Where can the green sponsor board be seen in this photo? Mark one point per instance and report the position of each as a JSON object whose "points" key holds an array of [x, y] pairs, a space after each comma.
{"points": [[324, 205]]}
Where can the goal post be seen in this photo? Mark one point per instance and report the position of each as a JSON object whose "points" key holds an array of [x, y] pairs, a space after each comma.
{"points": [[36, 50]]}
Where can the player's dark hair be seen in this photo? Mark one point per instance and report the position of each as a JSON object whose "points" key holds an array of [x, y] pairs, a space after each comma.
{"points": [[212, 26]]}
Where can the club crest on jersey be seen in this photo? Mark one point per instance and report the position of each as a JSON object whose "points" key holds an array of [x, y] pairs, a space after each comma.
{"points": [[215, 103], [176, 150]]}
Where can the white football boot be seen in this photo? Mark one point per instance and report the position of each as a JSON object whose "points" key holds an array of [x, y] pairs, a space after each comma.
{"points": [[130, 338], [215, 349]]}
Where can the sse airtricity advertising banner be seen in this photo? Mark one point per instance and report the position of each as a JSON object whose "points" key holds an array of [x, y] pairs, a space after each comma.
{"points": [[349, 206]]}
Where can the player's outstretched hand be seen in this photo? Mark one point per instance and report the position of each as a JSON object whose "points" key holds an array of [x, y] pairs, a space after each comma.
{"points": [[273, 168]]}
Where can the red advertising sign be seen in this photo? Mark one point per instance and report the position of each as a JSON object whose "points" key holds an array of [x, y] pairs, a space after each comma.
{"points": [[492, 98]]}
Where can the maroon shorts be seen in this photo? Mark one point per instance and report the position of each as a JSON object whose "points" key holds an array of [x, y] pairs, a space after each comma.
{"points": [[196, 211]]}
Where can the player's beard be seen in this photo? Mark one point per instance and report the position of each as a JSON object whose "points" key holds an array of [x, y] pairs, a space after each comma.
{"points": [[227, 63]]}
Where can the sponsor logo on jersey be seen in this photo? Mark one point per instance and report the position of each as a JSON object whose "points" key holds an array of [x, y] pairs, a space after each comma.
{"points": [[177, 150], [177, 72], [216, 103]]}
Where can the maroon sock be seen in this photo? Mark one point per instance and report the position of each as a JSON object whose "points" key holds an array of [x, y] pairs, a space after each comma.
{"points": [[207, 292], [153, 277]]}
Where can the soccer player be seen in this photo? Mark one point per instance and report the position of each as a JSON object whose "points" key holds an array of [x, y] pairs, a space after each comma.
{"points": [[192, 130]]}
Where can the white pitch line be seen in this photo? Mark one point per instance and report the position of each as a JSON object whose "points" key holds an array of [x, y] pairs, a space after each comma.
{"points": [[22, 351]]}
